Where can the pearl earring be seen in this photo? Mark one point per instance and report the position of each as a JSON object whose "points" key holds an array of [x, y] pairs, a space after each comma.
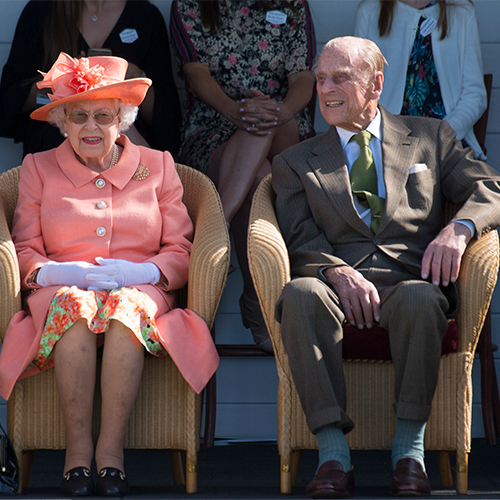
{"points": [[65, 134], [118, 136]]}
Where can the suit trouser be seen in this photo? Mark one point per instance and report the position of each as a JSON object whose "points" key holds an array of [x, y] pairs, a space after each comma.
{"points": [[311, 317]]}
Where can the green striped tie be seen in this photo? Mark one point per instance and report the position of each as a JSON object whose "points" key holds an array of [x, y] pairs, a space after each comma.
{"points": [[364, 180]]}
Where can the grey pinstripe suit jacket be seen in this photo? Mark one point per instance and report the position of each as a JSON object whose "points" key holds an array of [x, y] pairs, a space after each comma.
{"points": [[317, 216]]}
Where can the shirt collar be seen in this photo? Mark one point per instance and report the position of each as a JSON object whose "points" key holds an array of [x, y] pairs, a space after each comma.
{"points": [[374, 128]]}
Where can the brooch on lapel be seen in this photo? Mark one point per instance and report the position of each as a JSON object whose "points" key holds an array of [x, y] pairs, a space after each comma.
{"points": [[141, 173]]}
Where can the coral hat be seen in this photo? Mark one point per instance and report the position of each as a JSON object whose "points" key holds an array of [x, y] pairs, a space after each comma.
{"points": [[74, 79]]}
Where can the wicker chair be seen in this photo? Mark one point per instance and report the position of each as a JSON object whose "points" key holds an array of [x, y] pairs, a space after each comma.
{"points": [[370, 384], [167, 413]]}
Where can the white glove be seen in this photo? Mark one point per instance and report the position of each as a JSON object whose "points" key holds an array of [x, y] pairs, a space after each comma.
{"points": [[127, 273], [81, 274]]}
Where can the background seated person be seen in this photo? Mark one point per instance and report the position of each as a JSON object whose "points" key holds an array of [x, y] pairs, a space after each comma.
{"points": [[248, 69], [130, 29], [434, 60]]}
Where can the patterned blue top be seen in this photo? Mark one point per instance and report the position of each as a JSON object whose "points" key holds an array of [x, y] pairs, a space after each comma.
{"points": [[422, 93]]}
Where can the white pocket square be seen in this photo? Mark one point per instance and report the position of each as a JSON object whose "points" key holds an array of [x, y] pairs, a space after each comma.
{"points": [[418, 167]]}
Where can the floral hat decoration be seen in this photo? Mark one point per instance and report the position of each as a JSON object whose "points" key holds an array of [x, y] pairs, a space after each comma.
{"points": [[72, 79]]}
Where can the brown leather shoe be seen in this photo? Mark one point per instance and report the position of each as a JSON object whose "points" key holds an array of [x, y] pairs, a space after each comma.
{"points": [[331, 482], [409, 480]]}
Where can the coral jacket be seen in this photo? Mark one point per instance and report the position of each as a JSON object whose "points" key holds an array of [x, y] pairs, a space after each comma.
{"points": [[134, 211]]}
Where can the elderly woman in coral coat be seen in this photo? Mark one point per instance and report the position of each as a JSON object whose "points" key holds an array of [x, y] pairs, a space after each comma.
{"points": [[103, 241]]}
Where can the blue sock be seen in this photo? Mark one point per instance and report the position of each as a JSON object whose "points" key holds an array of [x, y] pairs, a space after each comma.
{"points": [[333, 446], [408, 442]]}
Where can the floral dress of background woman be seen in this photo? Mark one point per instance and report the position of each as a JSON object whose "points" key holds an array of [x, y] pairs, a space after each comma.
{"points": [[241, 60], [248, 53]]}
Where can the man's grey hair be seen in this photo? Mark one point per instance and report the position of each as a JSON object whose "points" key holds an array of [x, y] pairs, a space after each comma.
{"points": [[367, 51]]}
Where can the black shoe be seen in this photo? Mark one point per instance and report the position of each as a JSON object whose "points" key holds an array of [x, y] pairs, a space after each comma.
{"points": [[111, 482], [77, 482]]}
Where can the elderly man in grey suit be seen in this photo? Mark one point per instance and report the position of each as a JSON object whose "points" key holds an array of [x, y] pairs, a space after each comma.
{"points": [[361, 211]]}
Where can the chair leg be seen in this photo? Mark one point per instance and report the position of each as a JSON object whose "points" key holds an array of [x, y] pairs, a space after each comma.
{"points": [[191, 473], [462, 476], [489, 388], [286, 477], [177, 469], [496, 399], [210, 411], [210, 406], [26, 464], [445, 468], [295, 464]]}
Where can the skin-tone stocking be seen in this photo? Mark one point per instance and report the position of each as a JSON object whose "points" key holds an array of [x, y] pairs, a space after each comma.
{"points": [[244, 159], [236, 169], [75, 367], [122, 364]]}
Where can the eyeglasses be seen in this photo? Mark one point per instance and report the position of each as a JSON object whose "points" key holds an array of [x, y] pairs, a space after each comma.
{"points": [[80, 117]]}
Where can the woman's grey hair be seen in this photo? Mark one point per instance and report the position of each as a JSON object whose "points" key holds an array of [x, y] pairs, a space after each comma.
{"points": [[127, 115]]}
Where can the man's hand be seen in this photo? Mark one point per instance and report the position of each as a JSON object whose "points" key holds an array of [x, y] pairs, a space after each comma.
{"points": [[359, 297], [443, 256]]}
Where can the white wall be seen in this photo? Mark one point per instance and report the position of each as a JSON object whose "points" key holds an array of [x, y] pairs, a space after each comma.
{"points": [[247, 387]]}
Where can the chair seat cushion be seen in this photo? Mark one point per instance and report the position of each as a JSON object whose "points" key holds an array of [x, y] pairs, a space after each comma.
{"points": [[373, 344]]}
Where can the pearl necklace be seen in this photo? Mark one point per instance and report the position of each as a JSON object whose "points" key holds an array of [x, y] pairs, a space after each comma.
{"points": [[114, 158]]}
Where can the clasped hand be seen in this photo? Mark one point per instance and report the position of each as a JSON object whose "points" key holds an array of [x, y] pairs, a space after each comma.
{"points": [[111, 273], [260, 114]]}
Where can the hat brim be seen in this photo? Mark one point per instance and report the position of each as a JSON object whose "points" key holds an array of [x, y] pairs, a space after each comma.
{"points": [[132, 91]]}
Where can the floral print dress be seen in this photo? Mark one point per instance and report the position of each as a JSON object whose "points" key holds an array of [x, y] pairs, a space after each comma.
{"points": [[248, 53], [127, 305]]}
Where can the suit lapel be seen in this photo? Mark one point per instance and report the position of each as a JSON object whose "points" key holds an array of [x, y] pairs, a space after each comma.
{"points": [[398, 150], [327, 162]]}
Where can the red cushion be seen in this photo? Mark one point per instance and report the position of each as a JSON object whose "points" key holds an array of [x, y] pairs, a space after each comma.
{"points": [[373, 343]]}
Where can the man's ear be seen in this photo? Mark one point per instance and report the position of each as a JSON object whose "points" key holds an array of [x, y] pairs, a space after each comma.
{"points": [[377, 85]]}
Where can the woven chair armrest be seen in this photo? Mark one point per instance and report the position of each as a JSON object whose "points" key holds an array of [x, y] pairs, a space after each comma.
{"points": [[210, 255], [10, 281], [269, 262], [478, 276]]}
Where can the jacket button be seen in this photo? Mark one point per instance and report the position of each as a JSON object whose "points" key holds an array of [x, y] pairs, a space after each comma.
{"points": [[101, 231], [101, 205], [100, 183]]}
